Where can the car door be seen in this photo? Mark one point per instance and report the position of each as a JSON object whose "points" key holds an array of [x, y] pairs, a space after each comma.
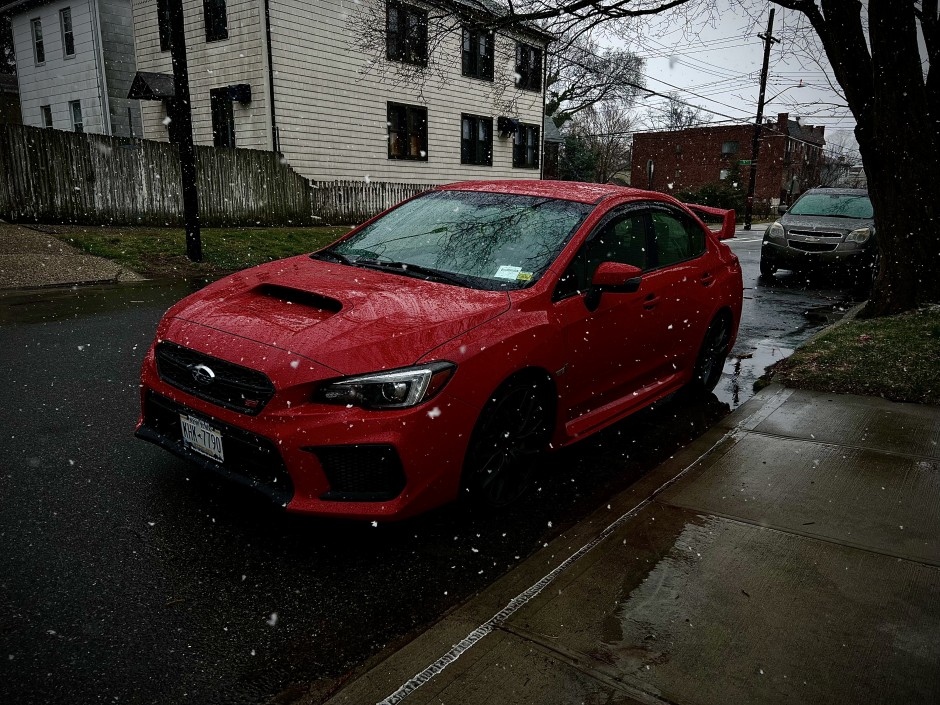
{"points": [[609, 354], [683, 277]]}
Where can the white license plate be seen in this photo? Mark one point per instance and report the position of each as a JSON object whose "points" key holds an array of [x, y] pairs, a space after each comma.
{"points": [[201, 437]]}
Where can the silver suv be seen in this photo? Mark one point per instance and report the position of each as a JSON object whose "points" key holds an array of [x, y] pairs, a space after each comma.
{"points": [[825, 228]]}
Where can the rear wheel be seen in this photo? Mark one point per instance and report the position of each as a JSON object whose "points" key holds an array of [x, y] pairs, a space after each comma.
{"points": [[513, 429], [712, 355]]}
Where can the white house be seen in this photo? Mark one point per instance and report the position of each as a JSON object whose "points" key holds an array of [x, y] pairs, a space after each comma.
{"points": [[392, 90], [75, 64]]}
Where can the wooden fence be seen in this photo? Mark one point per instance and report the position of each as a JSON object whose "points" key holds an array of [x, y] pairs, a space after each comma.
{"points": [[64, 177], [355, 201]]}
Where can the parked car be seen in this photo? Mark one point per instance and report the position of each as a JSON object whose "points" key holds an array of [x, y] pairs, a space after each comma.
{"points": [[440, 347], [826, 228]]}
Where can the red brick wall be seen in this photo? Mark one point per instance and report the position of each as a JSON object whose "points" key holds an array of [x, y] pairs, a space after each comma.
{"points": [[689, 159]]}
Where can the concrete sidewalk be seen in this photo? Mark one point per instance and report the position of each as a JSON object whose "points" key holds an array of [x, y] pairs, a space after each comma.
{"points": [[790, 555], [30, 258]]}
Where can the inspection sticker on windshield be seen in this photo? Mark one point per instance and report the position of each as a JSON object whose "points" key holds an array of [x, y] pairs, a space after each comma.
{"points": [[506, 272], [524, 276]]}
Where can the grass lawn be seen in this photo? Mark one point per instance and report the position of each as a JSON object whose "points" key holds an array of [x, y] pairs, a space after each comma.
{"points": [[895, 357], [161, 252]]}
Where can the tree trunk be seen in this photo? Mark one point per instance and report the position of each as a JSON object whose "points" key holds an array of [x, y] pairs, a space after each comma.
{"points": [[877, 62], [901, 157]]}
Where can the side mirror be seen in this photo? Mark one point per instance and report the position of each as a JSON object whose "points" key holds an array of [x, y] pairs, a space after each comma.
{"points": [[781, 209], [612, 277]]}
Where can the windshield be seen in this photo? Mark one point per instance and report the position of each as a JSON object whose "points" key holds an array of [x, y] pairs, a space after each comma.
{"points": [[835, 205], [481, 240]]}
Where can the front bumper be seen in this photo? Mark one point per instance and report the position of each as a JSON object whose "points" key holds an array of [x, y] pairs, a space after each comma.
{"points": [[321, 459], [841, 258]]}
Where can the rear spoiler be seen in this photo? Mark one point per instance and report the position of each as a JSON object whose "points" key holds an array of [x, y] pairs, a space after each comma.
{"points": [[710, 216]]}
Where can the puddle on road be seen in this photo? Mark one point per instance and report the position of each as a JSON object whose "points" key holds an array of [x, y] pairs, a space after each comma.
{"points": [[745, 368]]}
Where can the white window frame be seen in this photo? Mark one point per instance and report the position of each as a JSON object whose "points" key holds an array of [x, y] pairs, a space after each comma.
{"points": [[66, 12], [45, 115], [39, 43], [77, 125]]}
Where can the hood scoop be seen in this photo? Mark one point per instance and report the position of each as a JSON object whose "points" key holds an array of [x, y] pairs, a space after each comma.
{"points": [[299, 297]]}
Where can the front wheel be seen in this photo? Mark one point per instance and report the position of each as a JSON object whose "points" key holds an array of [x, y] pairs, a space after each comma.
{"points": [[767, 266], [712, 355], [513, 429]]}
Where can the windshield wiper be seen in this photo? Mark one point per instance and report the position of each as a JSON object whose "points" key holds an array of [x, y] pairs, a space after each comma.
{"points": [[406, 268], [335, 256]]}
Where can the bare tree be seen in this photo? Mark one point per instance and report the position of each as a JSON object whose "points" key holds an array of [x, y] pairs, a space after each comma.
{"points": [[604, 130], [579, 75], [840, 158], [676, 114]]}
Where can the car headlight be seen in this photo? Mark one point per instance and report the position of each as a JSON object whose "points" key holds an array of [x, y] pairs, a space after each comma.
{"points": [[775, 232], [860, 236], [394, 389]]}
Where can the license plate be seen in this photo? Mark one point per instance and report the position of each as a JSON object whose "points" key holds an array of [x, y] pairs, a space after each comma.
{"points": [[201, 437]]}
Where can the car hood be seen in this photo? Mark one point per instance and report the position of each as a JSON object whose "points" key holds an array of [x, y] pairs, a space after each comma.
{"points": [[350, 319], [824, 223]]}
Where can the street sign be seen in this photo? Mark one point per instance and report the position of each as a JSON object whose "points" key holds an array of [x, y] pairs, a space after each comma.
{"points": [[746, 162]]}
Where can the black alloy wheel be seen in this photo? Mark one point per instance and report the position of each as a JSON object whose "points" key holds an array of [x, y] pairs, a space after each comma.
{"points": [[513, 429], [712, 355]]}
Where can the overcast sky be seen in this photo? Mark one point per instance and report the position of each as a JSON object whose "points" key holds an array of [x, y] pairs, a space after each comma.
{"points": [[719, 69]]}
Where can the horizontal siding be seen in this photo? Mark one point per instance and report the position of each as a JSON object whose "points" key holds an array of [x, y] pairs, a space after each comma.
{"points": [[60, 79], [331, 107], [238, 59]]}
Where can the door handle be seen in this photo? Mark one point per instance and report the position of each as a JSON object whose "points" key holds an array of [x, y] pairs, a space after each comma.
{"points": [[707, 279], [650, 302]]}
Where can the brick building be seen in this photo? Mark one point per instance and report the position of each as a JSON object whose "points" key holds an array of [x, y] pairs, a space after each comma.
{"points": [[682, 160]]}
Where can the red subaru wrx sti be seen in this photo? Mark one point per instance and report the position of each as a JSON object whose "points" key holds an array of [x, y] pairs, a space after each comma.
{"points": [[437, 349]]}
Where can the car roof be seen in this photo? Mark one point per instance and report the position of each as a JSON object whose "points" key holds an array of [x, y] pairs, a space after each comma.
{"points": [[563, 190]]}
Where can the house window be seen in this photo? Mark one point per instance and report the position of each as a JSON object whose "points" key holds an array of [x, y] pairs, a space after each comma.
{"points": [[476, 140], [406, 31], [45, 112], [478, 54], [223, 118], [729, 147], [163, 23], [75, 111], [525, 153], [213, 11], [407, 132], [528, 67], [39, 48], [68, 37]]}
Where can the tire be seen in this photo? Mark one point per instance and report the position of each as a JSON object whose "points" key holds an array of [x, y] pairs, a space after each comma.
{"points": [[767, 267], [712, 355], [513, 430]]}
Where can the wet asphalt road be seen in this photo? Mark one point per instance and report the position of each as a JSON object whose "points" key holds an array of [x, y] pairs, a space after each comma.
{"points": [[128, 577]]}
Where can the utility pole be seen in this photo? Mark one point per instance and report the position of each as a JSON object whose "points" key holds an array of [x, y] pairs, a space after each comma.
{"points": [[181, 115], [769, 41]]}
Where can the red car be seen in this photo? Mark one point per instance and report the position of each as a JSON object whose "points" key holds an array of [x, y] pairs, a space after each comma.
{"points": [[437, 349]]}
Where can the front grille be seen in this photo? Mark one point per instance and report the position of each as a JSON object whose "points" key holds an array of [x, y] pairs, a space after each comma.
{"points": [[812, 246], [363, 473], [233, 387], [249, 458], [817, 233]]}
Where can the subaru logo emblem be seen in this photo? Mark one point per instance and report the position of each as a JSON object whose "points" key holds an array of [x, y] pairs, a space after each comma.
{"points": [[203, 375]]}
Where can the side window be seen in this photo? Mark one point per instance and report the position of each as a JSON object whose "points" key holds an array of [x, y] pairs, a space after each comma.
{"points": [[676, 239], [621, 239]]}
